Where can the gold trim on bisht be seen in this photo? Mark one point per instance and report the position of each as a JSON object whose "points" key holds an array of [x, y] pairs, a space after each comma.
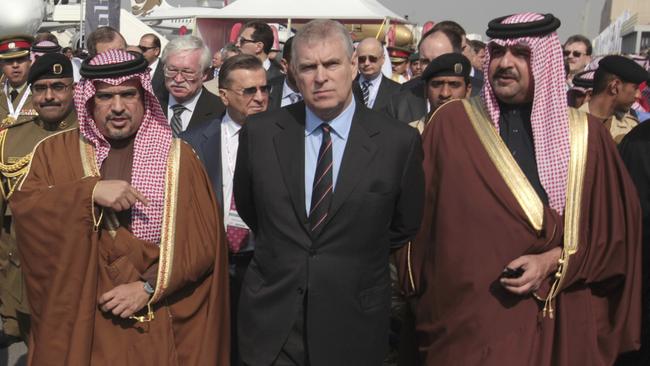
{"points": [[506, 165], [579, 137], [168, 234]]}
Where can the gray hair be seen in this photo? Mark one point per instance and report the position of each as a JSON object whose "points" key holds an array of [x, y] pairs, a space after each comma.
{"points": [[320, 30], [188, 43]]}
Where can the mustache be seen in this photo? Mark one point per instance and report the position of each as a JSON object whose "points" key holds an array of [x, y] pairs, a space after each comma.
{"points": [[183, 84], [50, 104], [112, 116], [509, 73]]}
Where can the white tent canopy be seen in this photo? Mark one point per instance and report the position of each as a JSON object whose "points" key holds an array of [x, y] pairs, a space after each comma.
{"points": [[307, 9]]}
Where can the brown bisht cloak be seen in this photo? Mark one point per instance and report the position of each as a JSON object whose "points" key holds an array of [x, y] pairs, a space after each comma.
{"points": [[474, 225], [68, 265]]}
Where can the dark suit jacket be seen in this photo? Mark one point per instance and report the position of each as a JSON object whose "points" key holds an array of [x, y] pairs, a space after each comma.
{"points": [[158, 82], [387, 88], [409, 104], [477, 82], [208, 107], [275, 94], [343, 272], [274, 71], [206, 142]]}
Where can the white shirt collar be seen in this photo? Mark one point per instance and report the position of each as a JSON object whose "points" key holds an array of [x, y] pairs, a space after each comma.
{"points": [[153, 66], [266, 64], [190, 104], [374, 82], [230, 126], [286, 89]]}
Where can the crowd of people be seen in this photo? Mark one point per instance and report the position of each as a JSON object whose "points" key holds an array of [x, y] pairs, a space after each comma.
{"points": [[485, 203]]}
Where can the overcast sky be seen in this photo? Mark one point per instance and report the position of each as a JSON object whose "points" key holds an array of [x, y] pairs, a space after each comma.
{"points": [[577, 16]]}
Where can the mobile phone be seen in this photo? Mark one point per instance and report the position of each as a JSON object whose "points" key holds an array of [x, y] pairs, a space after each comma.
{"points": [[512, 273]]}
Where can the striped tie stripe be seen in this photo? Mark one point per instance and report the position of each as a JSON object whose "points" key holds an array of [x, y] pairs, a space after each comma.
{"points": [[322, 188]]}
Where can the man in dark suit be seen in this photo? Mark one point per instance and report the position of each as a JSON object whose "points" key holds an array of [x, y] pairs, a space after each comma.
{"points": [[329, 187], [411, 103], [150, 46], [283, 90], [371, 87], [242, 80], [185, 102], [256, 38]]}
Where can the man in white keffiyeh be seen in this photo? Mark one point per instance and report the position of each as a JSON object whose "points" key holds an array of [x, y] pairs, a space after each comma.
{"points": [[514, 263], [120, 238]]}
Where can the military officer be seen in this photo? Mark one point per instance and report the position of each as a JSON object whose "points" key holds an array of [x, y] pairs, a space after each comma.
{"points": [[51, 85], [15, 94]]}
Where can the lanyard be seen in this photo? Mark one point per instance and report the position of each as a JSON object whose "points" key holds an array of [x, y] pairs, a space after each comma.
{"points": [[14, 113]]}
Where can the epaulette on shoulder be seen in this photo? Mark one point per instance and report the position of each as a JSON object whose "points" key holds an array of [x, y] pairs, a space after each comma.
{"points": [[9, 122]]}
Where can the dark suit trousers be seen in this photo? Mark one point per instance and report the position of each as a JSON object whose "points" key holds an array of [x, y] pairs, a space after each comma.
{"points": [[238, 263], [294, 351]]}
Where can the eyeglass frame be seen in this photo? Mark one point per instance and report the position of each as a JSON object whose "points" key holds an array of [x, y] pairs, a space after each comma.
{"points": [[251, 91], [243, 40], [172, 74], [51, 86]]}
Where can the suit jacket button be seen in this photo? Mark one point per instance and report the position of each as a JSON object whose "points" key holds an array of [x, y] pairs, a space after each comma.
{"points": [[300, 291], [312, 252]]}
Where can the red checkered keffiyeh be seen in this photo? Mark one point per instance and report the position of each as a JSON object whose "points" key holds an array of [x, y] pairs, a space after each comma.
{"points": [[151, 146], [550, 116]]}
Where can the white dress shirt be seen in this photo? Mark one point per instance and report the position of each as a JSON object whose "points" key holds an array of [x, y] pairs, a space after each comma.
{"points": [[229, 144], [266, 64], [153, 67], [286, 94], [189, 105], [373, 88]]}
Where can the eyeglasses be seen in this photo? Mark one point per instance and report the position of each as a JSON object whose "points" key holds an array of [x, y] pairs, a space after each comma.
{"points": [[251, 91], [243, 40], [145, 49], [57, 87], [575, 54], [188, 75], [371, 58]]}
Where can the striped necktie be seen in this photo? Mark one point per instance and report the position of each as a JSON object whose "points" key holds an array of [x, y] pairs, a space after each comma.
{"points": [[321, 195], [177, 123], [365, 90]]}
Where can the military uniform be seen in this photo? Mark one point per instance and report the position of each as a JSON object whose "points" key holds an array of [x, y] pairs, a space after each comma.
{"points": [[26, 113], [617, 126], [17, 142]]}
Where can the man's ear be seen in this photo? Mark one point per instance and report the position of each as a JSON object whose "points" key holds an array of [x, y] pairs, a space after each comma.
{"points": [[223, 96], [614, 86]]}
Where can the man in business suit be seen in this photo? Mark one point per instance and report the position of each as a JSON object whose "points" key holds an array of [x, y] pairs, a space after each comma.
{"points": [[283, 90], [329, 187], [150, 46], [186, 103], [410, 104], [371, 87], [256, 38], [243, 91]]}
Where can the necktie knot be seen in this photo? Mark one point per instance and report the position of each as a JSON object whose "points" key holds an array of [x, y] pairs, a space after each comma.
{"points": [[326, 128], [365, 91], [176, 122], [13, 94]]}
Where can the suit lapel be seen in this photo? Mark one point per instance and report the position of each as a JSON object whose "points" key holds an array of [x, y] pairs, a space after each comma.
{"points": [[380, 99], [290, 148], [359, 152], [211, 151]]}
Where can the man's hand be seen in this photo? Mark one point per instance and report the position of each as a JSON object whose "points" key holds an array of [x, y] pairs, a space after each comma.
{"points": [[117, 195], [537, 267], [124, 300]]}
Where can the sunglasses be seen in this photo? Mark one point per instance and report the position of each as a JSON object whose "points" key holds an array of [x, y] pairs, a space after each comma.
{"points": [[575, 54], [371, 58], [145, 49], [243, 40], [251, 91], [188, 75]]}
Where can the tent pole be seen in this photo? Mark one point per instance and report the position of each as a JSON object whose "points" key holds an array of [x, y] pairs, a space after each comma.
{"points": [[381, 27]]}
